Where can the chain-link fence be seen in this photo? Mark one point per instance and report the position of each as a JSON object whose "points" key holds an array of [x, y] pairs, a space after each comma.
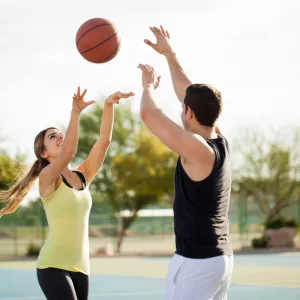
{"points": [[148, 234]]}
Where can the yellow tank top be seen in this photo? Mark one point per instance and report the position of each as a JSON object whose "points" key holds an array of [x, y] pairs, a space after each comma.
{"points": [[67, 244]]}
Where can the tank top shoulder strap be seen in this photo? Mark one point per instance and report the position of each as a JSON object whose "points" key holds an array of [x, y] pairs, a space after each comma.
{"points": [[213, 144], [225, 141]]}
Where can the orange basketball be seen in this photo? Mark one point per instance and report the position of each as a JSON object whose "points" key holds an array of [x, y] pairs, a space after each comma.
{"points": [[97, 40]]}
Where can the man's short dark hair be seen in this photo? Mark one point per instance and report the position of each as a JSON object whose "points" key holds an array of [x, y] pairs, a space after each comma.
{"points": [[205, 102]]}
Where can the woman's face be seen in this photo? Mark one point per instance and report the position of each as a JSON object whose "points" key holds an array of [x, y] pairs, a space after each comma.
{"points": [[53, 142]]}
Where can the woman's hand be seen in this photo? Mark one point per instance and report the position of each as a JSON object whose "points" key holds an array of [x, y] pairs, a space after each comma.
{"points": [[78, 101], [115, 98]]}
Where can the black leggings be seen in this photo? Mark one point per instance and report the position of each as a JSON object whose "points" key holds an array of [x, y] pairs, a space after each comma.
{"points": [[58, 284]]}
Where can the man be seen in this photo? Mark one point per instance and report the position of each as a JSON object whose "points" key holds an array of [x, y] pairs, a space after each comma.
{"points": [[202, 265]]}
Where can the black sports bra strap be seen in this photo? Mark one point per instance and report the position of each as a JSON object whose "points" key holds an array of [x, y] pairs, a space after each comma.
{"points": [[66, 182], [81, 177]]}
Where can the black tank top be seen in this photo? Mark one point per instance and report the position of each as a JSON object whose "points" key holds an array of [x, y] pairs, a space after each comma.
{"points": [[201, 207]]}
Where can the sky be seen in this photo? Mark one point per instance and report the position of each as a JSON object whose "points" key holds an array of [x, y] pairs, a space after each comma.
{"points": [[249, 50]]}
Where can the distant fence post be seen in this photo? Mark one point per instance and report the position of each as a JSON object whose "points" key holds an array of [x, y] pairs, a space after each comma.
{"points": [[298, 212], [15, 227], [243, 221]]}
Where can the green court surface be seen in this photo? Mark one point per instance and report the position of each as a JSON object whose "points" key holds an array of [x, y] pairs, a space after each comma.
{"points": [[256, 276]]}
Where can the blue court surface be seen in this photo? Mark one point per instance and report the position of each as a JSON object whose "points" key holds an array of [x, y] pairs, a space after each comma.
{"points": [[255, 277]]}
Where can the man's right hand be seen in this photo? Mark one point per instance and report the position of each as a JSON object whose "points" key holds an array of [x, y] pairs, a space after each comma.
{"points": [[162, 45]]}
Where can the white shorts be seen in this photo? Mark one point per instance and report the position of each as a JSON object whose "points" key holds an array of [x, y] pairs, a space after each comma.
{"points": [[198, 279]]}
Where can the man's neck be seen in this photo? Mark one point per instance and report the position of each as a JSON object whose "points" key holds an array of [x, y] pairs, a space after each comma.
{"points": [[204, 131]]}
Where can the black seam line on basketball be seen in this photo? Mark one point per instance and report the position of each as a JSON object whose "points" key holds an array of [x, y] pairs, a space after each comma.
{"points": [[100, 43], [109, 55], [90, 30]]}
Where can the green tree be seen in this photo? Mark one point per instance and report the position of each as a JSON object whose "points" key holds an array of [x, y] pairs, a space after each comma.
{"points": [[11, 169], [144, 176], [268, 172]]}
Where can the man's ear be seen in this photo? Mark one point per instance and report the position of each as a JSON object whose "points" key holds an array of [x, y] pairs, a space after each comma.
{"points": [[189, 113]]}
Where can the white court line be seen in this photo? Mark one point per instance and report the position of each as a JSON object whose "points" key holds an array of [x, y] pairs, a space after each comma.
{"points": [[92, 295], [23, 298], [124, 294]]}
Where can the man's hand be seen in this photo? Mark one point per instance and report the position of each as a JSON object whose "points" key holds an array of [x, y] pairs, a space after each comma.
{"points": [[162, 45], [149, 76]]}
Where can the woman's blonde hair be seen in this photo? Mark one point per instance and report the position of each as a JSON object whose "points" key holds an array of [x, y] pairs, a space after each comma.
{"points": [[14, 196]]}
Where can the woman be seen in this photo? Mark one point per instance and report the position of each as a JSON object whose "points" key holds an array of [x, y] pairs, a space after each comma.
{"points": [[63, 263]]}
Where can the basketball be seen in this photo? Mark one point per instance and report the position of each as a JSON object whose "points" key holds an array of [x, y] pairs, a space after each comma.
{"points": [[97, 40]]}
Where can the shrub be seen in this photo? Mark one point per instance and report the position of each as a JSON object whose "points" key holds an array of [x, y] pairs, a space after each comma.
{"points": [[279, 222], [275, 223], [33, 250], [291, 223], [261, 242]]}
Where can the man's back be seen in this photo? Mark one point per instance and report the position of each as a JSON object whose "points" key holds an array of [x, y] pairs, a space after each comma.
{"points": [[201, 207]]}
